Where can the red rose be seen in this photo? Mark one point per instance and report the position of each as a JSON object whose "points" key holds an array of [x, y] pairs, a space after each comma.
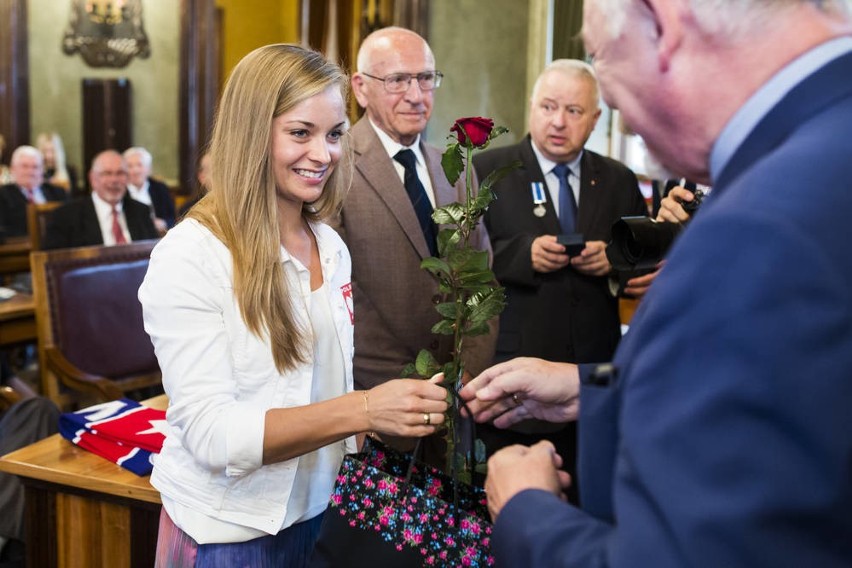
{"points": [[475, 128]]}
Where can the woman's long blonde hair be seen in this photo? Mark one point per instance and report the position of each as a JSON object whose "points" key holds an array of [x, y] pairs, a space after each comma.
{"points": [[241, 207]]}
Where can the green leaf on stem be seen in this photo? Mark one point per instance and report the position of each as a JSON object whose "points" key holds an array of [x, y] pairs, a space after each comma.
{"points": [[448, 310], [468, 260], [452, 163], [447, 239], [497, 175], [485, 305], [435, 265], [475, 330], [426, 364], [444, 327], [450, 214]]}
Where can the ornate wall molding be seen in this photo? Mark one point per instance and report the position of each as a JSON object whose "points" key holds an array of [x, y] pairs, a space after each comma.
{"points": [[106, 33]]}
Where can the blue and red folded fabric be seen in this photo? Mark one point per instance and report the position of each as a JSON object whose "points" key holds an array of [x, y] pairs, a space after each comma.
{"points": [[122, 431]]}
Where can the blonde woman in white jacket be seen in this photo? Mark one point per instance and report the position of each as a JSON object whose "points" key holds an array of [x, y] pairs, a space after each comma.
{"points": [[248, 304]]}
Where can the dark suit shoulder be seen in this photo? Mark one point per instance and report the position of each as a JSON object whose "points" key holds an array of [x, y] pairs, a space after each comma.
{"points": [[489, 160], [156, 186], [53, 193], [73, 206], [135, 207], [600, 162]]}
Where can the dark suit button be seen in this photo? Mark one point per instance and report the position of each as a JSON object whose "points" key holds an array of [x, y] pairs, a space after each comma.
{"points": [[434, 345], [436, 299]]}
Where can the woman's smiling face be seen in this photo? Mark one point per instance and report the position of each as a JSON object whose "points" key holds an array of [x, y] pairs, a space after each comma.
{"points": [[307, 144]]}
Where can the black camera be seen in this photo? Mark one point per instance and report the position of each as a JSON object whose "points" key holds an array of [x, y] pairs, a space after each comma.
{"points": [[639, 243]]}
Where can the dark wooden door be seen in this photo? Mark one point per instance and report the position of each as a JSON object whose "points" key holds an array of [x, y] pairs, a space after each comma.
{"points": [[107, 117]]}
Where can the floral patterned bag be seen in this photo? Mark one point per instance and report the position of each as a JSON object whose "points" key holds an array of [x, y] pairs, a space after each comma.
{"points": [[391, 510]]}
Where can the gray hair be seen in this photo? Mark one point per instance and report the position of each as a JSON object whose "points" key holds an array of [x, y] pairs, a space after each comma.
{"points": [[731, 18], [22, 151], [573, 68], [142, 153]]}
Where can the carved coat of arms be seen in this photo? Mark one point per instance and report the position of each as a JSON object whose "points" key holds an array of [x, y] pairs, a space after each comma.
{"points": [[106, 33]]}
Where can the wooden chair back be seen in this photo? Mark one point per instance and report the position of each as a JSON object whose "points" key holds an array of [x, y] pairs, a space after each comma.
{"points": [[92, 345], [37, 216]]}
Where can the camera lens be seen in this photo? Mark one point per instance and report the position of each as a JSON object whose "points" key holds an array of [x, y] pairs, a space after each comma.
{"points": [[639, 242]]}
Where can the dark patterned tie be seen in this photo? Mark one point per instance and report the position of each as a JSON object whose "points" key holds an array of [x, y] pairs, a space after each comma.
{"points": [[567, 204], [419, 199]]}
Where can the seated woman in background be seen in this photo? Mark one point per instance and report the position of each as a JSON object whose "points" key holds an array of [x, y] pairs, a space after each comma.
{"points": [[56, 171], [248, 305]]}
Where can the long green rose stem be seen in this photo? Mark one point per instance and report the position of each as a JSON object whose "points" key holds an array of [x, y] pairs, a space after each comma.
{"points": [[465, 229]]}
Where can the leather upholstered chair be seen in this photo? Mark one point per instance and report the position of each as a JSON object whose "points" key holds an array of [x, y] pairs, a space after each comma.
{"points": [[91, 341]]}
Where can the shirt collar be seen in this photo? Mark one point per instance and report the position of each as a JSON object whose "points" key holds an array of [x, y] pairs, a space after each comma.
{"points": [[138, 189], [769, 95], [102, 208], [547, 165], [329, 249], [392, 147]]}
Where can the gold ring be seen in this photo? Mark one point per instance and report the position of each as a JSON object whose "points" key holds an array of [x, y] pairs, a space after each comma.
{"points": [[427, 418], [516, 398]]}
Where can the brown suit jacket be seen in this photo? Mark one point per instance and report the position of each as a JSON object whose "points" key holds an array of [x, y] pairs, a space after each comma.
{"points": [[394, 298]]}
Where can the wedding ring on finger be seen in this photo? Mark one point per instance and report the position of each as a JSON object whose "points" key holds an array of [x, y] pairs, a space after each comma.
{"points": [[516, 399], [427, 419]]}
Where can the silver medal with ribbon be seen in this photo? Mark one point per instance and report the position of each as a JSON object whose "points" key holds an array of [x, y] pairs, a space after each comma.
{"points": [[539, 198]]}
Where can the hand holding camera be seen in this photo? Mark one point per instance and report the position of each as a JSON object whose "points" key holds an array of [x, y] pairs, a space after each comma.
{"points": [[679, 205], [639, 243]]}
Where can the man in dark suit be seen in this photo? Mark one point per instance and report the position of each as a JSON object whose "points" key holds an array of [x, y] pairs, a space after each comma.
{"points": [[27, 169], [394, 298], [143, 188], [559, 307], [107, 216], [722, 436]]}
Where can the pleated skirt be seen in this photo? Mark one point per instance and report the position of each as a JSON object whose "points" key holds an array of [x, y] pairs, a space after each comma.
{"points": [[290, 548]]}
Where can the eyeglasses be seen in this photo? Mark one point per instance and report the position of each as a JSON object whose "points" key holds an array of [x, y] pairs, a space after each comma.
{"points": [[112, 173], [399, 82]]}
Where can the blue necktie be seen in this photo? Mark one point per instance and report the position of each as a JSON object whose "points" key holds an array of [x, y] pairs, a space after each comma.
{"points": [[567, 204], [417, 194]]}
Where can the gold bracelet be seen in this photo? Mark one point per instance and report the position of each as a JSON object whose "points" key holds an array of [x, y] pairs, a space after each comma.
{"points": [[367, 410]]}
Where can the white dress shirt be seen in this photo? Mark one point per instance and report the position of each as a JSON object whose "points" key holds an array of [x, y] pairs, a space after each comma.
{"points": [[141, 193], [392, 147], [552, 181], [221, 380], [103, 210]]}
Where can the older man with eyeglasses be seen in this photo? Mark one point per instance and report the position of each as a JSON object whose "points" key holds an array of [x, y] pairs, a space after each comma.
{"points": [[386, 219], [106, 217]]}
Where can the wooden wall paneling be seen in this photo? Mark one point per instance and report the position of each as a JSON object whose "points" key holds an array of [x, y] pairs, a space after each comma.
{"points": [[14, 75], [199, 82]]}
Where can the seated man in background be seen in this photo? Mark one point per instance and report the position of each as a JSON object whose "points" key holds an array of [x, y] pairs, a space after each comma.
{"points": [[107, 216], [141, 187], [27, 169]]}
